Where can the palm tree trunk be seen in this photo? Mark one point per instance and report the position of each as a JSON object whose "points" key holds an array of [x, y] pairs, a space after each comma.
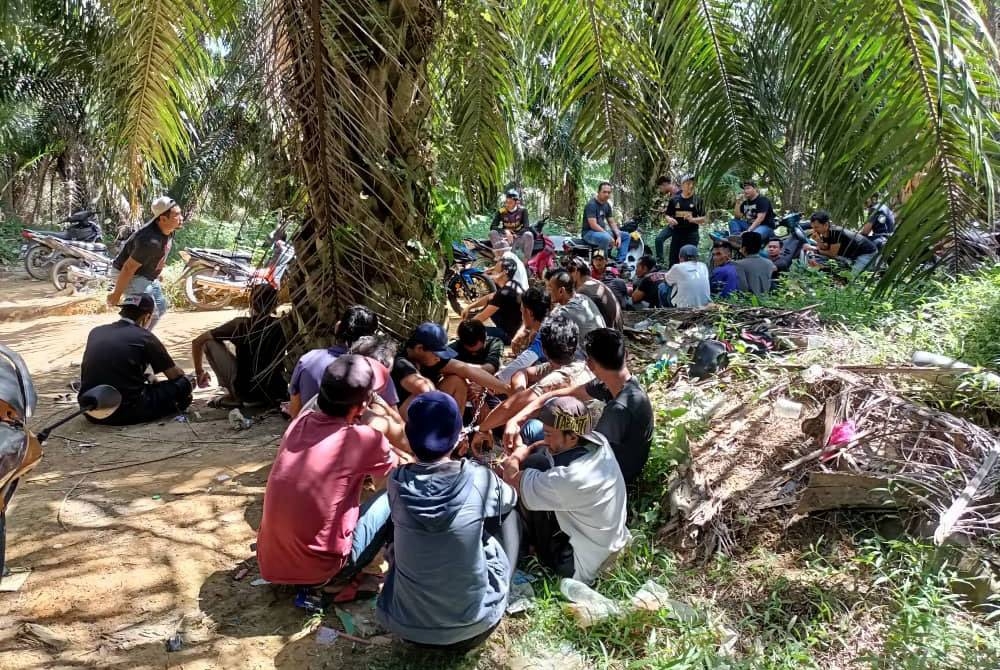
{"points": [[356, 84]]}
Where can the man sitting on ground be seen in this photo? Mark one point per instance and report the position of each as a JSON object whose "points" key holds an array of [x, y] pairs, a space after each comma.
{"points": [[427, 362], [572, 493], [687, 281], [314, 530], [576, 307], [627, 419], [602, 296], [119, 354], [503, 306], [455, 538], [356, 322], [255, 374], [753, 270], [599, 271], [534, 309], [844, 245], [647, 291], [724, 279], [475, 347]]}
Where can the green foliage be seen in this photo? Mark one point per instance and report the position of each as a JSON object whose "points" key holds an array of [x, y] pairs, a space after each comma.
{"points": [[206, 231], [10, 239]]}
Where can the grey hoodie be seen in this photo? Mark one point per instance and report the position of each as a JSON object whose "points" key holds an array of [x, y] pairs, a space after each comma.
{"points": [[448, 578]]}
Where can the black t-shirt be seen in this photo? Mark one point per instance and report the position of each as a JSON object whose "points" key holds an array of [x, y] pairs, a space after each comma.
{"points": [[852, 245], [627, 422], [650, 287], [489, 354], [693, 205], [403, 367], [516, 221], [260, 352], [606, 301], [118, 354], [508, 315], [751, 208], [149, 247]]}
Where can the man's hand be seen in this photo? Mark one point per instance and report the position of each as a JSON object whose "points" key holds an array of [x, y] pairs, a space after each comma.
{"points": [[112, 300], [510, 466], [671, 221], [616, 242], [512, 436], [465, 314], [204, 379], [684, 214]]}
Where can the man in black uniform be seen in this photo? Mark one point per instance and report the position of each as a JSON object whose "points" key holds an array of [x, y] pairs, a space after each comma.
{"points": [[120, 353], [685, 213], [143, 255], [754, 213]]}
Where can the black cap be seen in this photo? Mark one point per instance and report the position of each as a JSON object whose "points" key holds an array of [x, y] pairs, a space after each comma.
{"points": [[140, 301]]}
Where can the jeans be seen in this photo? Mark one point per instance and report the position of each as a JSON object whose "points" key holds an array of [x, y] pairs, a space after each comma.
{"points": [[532, 431], [524, 243], [661, 238], [665, 290], [604, 239], [861, 263], [153, 287], [739, 226], [370, 535]]}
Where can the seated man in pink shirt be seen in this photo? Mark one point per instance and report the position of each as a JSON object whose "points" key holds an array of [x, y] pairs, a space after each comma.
{"points": [[314, 530]]}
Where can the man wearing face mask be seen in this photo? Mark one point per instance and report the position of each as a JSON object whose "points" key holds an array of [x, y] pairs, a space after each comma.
{"points": [[119, 354]]}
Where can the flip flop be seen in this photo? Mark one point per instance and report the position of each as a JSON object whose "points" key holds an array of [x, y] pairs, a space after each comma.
{"points": [[224, 402]]}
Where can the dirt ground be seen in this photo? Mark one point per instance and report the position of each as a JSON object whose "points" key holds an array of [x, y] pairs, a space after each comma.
{"points": [[123, 559]]}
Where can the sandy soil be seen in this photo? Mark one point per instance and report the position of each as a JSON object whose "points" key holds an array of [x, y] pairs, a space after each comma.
{"points": [[123, 559]]}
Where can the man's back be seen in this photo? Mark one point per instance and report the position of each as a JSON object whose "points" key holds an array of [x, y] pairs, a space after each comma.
{"points": [[755, 273], [118, 354], [606, 302], [725, 280], [260, 349], [582, 311], [312, 499], [689, 282]]}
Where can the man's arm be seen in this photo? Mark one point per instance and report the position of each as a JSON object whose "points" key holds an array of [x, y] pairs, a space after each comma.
{"points": [[505, 410], [737, 211], [295, 404], [486, 313], [124, 278], [417, 384], [497, 223], [475, 374], [759, 219], [698, 214], [198, 355], [173, 373], [590, 211], [480, 302], [513, 429]]}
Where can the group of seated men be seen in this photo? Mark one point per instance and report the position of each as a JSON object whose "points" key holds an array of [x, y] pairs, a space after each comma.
{"points": [[475, 455]]}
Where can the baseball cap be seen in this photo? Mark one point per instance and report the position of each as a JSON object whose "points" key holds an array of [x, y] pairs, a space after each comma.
{"points": [[689, 251], [598, 253], [434, 339], [143, 301], [512, 193], [687, 177], [570, 414], [161, 205], [433, 424], [349, 380]]}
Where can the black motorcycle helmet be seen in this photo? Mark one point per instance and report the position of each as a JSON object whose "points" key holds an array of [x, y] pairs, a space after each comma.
{"points": [[512, 193]]}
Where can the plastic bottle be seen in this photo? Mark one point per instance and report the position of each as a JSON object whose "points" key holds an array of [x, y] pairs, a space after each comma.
{"points": [[586, 605]]}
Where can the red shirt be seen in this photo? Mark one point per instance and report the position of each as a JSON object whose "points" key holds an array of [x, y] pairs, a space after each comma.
{"points": [[313, 495]]}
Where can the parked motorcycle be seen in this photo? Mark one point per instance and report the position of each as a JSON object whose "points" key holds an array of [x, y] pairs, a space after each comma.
{"points": [[464, 282], [83, 265], [20, 448], [213, 278], [39, 251]]}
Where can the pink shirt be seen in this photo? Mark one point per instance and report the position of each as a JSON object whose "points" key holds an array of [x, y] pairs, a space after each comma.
{"points": [[313, 495]]}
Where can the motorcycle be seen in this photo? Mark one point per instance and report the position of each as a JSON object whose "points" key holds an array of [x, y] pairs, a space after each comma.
{"points": [[463, 281], [213, 278], [38, 250], [542, 251], [83, 265], [20, 448]]}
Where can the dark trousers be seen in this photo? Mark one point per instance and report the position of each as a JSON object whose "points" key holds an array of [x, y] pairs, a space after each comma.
{"points": [[541, 530], [499, 333], [679, 240], [155, 402]]}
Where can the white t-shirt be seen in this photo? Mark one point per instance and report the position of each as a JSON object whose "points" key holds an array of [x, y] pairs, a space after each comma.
{"points": [[521, 275], [588, 499], [689, 282]]}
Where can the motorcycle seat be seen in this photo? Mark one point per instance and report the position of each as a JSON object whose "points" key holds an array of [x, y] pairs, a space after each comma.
{"points": [[58, 234], [225, 253], [86, 246]]}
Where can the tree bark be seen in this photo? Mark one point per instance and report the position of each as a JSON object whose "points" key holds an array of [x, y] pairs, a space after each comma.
{"points": [[564, 199], [355, 75]]}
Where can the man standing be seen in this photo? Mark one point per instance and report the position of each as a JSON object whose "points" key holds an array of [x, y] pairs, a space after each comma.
{"points": [[119, 354], [753, 270], [685, 214], [511, 223], [724, 280], [599, 226], [254, 375], [835, 242], [602, 296], [753, 212], [143, 255], [665, 192], [688, 280]]}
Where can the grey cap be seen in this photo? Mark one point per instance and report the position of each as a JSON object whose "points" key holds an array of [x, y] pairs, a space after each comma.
{"points": [[571, 415], [689, 251]]}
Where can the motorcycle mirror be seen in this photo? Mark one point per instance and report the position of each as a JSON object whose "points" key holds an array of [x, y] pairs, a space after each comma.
{"points": [[101, 401]]}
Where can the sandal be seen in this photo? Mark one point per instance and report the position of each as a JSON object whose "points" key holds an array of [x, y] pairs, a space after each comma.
{"points": [[224, 402]]}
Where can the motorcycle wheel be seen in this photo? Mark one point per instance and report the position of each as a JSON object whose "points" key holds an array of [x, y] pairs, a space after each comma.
{"points": [[462, 293], [205, 299], [37, 260], [59, 273]]}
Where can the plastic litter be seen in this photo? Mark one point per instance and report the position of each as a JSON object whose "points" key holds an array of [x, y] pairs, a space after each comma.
{"points": [[260, 581], [586, 605], [787, 409], [326, 636], [175, 643], [222, 478], [652, 596], [347, 620], [238, 421]]}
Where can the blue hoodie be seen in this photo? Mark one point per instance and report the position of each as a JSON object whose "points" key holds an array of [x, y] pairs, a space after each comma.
{"points": [[447, 578]]}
